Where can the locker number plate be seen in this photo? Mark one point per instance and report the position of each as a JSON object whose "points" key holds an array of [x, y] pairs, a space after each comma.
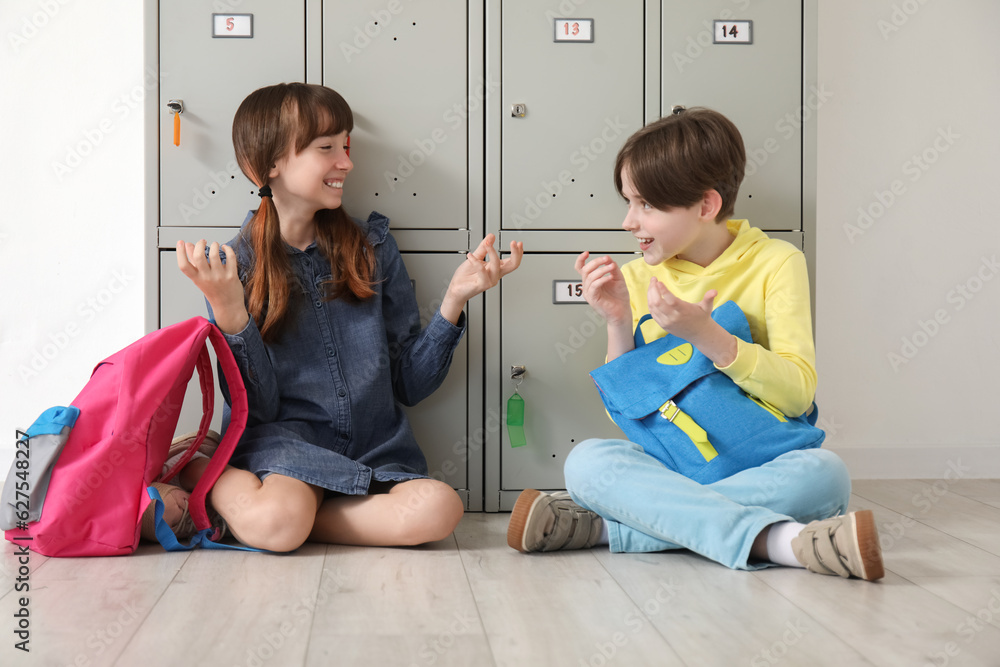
{"points": [[574, 30], [567, 291], [232, 25], [733, 32]]}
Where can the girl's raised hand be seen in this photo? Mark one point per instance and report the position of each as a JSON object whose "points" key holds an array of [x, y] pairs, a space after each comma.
{"points": [[604, 288], [481, 270], [219, 281]]}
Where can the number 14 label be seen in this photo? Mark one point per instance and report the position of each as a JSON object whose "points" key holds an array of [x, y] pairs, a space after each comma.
{"points": [[733, 32]]}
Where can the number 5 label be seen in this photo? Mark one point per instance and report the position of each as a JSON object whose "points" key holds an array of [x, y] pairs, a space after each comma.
{"points": [[232, 25], [733, 32]]}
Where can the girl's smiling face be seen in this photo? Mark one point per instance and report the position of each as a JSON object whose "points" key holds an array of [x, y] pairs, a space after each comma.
{"points": [[313, 178]]}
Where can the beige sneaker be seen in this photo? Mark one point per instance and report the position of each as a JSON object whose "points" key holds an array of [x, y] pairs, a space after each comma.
{"points": [[844, 545], [551, 521]]}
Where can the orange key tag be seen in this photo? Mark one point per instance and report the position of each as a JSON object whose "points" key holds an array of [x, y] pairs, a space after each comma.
{"points": [[177, 129]]}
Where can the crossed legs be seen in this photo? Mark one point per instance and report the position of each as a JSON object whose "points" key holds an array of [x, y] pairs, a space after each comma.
{"points": [[281, 513]]}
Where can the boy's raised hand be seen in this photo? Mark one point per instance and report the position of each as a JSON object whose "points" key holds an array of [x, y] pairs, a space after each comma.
{"points": [[604, 288], [219, 281], [691, 321], [481, 270]]}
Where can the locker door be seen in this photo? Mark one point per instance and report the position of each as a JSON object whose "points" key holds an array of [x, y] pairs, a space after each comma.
{"points": [[558, 344], [581, 101], [403, 68], [440, 422], [757, 85], [200, 182]]}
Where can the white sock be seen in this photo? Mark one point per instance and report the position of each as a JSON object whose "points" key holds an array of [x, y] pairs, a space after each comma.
{"points": [[603, 539], [779, 543]]}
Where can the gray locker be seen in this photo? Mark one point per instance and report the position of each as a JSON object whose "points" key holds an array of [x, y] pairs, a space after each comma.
{"points": [[201, 184], [757, 85], [581, 101], [403, 68], [558, 344], [441, 421]]}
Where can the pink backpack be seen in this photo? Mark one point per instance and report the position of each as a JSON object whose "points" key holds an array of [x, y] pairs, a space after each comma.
{"points": [[85, 496]]}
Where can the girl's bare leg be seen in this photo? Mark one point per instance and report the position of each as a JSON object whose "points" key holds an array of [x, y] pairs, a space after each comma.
{"points": [[413, 512], [275, 514], [281, 513]]}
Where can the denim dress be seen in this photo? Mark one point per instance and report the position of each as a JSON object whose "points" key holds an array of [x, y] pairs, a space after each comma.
{"points": [[326, 398]]}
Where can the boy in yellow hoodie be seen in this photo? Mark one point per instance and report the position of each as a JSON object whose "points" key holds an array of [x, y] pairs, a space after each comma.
{"points": [[680, 176]]}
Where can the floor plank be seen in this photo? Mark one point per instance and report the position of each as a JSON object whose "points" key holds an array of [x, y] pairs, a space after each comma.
{"points": [[892, 622], [932, 502], [560, 608], [232, 607], [397, 607], [711, 615], [84, 611]]}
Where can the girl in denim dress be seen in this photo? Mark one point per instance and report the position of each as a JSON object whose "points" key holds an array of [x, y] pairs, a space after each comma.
{"points": [[323, 322]]}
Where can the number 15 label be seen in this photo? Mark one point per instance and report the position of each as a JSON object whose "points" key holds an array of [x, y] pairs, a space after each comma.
{"points": [[733, 32]]}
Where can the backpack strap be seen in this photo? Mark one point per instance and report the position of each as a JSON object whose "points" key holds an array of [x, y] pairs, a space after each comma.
{"points": [[237, 421]]}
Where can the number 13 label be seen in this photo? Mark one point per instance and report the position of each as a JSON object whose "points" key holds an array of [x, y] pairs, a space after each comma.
{"points": [[733, 32], [574, 30]]}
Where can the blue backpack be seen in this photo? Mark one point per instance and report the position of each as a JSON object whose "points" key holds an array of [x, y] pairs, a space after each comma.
{"points": [[669, 398]]}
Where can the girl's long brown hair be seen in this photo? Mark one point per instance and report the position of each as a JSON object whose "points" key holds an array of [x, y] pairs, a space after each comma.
{"points": [[270, 122]]}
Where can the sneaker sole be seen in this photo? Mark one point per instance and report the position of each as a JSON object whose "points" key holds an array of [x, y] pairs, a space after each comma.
{"points": [[519, 518], [870, 550]]}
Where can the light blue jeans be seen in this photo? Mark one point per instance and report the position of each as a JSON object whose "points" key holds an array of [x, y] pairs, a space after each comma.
{"points": [[649, 507]]}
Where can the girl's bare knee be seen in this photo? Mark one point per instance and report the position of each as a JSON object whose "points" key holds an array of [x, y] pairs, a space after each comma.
{"points": [[428, 511], [275, 517]]}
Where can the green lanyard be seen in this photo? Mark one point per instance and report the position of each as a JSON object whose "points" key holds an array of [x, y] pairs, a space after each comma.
{"points": [[515, 411]]}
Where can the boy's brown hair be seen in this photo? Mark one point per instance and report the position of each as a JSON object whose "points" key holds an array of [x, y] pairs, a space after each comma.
{"points": [[674, 161]]}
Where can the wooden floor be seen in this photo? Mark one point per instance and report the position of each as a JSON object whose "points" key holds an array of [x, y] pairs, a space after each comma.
{"points": [[470, 600]]}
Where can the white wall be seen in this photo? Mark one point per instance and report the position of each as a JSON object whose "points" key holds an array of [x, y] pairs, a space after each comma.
{"points": [[908, 299], [71, 236], [71, 239]]}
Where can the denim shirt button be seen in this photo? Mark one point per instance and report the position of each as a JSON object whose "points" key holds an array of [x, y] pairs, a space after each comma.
{"points": [[330, 352], [341, 393], [319, 304]]}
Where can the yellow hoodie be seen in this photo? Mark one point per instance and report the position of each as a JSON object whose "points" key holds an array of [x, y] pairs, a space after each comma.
{"points": [[767, 279]]}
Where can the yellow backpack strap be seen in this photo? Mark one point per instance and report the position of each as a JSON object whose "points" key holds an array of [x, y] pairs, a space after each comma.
{"points": [[690, 428]]}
